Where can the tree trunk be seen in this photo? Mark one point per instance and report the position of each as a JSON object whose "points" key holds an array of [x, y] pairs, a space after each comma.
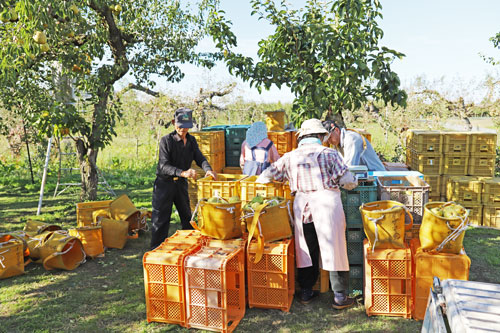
{"points": [[88, 171], [336, 117]]}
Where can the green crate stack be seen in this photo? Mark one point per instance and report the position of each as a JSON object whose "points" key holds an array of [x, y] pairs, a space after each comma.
{"points": [[235, 135], [351, 201]]}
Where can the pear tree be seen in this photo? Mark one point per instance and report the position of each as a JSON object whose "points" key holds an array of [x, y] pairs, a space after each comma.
{"points": [[60, 60]]}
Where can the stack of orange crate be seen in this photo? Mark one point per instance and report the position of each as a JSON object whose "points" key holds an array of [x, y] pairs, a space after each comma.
{"points": [[282, 140], [388, 281], [215, 288], [426, 266], [164, 280], [271, 281], [212, 146]]}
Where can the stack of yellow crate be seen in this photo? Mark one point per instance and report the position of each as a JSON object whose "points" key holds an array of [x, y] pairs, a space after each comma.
{"points": [[212, 146], [491, 202], [467, 191], [424, 154]]}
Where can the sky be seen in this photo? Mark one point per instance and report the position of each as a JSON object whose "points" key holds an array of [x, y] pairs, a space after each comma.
{"points": [[442, 40]]}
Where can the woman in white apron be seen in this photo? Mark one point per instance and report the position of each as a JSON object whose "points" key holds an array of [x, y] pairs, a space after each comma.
{"points": [[315, 173]]}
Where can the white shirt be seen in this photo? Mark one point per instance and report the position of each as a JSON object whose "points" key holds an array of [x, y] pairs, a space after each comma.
{"points": [[354, 154]]}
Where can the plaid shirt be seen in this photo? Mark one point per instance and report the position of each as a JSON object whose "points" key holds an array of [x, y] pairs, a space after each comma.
{"points": [[331, 167]]}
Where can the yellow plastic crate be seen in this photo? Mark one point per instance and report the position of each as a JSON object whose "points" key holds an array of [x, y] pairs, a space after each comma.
{"points": [[455, 164], [475, 212], [251, 189], [491, 191], [210, 142], [434, 182], [226, 186], [481, 165], [491, 216], [282, 141], [483, 143], [455, 142], [464, 189], [424, 141], [428, 163]]}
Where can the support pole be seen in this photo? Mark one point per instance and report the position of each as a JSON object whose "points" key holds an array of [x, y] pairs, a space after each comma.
{"points": [[29, 155], [44, 177]]}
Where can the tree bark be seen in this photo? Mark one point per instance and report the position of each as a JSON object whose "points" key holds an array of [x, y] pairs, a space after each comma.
{"points": [[87, 158]]}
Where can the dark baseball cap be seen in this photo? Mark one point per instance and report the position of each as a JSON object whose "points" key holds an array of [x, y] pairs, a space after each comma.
{"points": [[184, 118]]}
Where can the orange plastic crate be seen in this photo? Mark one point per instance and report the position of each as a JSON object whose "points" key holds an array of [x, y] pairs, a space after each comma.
{"points": [[210, 142], [251, 189], [164, 283], [282, 141], [271, 281], [232, 170], [226, 243], [388, 276], [426, 266], [215, 288], [185, 237], [226, 186], [84, 211]]}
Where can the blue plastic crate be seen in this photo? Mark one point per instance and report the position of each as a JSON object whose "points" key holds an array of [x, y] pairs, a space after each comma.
{"points": [[215, 128], [354, 238], [352, 200]]}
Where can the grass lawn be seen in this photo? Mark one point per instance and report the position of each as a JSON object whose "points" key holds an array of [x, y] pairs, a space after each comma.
{"points": [[107, 294]]}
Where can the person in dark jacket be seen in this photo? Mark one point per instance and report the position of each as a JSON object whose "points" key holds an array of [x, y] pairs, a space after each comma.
{"points": [[178, 150]]}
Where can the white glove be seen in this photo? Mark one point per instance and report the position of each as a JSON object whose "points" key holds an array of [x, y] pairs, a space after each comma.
{"points": [[264, 178], [348, 181]]}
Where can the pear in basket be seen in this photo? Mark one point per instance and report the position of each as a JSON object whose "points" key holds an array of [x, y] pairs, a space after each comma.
{"points": [[452, 211], [437, 210], [234, 199]]}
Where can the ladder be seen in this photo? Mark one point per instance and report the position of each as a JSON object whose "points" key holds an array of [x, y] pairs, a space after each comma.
{"points": [[65, 185]]}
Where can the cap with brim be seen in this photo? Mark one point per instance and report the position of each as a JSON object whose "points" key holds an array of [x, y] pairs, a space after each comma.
{"points": [[183, 118], [256, 133], [311, 126]]}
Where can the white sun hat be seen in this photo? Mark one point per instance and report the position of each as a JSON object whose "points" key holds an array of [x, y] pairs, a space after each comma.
{"points": [[311, 126]]}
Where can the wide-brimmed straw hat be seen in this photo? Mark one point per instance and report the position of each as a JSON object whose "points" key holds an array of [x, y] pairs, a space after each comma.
{"points": [[311, 126]]}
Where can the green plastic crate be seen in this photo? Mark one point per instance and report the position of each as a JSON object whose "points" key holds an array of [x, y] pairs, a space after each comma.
{"points": [[356, 273], [352, 200], [354, 238]]}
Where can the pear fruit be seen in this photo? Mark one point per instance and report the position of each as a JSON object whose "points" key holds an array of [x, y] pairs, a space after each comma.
{"points": [[255, 205], [74, 9], [258, 199], [234, 199], [40, 38], [437, 210], [213, 200], [44, 47], [118, 8]]}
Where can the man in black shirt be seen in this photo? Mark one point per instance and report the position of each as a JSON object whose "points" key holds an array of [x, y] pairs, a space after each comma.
{"points": [[177, 152]]}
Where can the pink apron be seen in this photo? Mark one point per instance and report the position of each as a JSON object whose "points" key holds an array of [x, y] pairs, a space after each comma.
{"points": [[328, 216]]}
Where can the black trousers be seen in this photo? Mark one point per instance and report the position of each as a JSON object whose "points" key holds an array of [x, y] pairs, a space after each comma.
{"points": [[307, 276], [166, 193]]}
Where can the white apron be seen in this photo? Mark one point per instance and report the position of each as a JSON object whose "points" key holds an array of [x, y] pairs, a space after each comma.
{"points": [[328, 216]]}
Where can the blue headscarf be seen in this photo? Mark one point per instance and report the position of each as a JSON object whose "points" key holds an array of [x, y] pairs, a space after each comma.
{"points": [[256, 133]]}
